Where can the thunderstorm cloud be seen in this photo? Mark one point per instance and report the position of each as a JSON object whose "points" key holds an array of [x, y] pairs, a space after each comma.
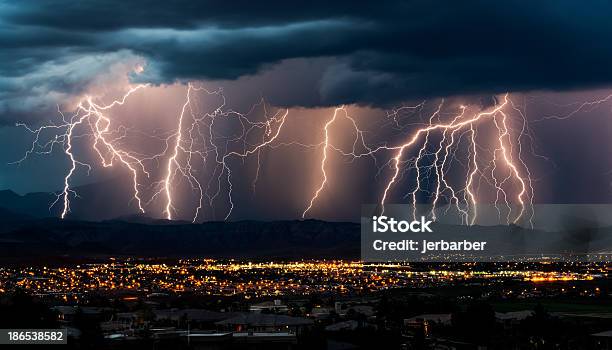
{"points": [[328, 53]]}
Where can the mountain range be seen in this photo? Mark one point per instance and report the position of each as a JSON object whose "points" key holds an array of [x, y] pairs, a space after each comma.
{"points": [[253, 239], [98, 226], [29, 230], [95, 202]]}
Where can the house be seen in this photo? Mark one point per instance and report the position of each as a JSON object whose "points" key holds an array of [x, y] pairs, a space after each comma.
{"points": [[349, 325], [602, 340], [192, 315], [258, 322], [67, 313], [319, 312], [240, 340], [429, 318], [422, 323], [366, 310], [122, 322], [510, 319], [275, 306]]}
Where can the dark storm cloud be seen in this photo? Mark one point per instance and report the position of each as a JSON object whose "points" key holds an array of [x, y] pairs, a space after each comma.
{"points": [[378, 52]]}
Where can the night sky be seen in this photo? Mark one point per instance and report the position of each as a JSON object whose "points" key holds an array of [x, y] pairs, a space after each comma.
{"points": [[550, 56]]}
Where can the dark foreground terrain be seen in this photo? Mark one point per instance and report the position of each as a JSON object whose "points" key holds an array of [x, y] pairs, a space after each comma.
{"points": [[311, 304]]}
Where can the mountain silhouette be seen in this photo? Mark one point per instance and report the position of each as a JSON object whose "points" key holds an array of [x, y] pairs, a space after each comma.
{"points": [[95, 202], [252, 239]]}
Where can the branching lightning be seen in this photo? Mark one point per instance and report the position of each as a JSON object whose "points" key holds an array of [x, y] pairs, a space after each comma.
{"points": [[91, 116], [193, 139], [507, 169], [327, 145], [196, 154]]}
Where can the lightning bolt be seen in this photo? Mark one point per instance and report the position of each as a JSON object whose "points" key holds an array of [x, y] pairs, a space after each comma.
{"points": [[172, 161], [201, 132], [90, 116], [327, 145], [323, 161], [459, 123]]}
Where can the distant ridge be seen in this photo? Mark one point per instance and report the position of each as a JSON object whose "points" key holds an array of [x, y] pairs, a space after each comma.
{"points": [[146, 220], [7, 216], [32, 204], [241, 239], [105, 200]]}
